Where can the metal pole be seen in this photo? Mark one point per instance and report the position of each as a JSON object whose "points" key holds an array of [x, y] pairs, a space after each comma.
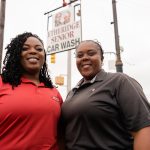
{"points": [[60, 7], [69, 71], [2, 21], [119, 63], [69, 68]]}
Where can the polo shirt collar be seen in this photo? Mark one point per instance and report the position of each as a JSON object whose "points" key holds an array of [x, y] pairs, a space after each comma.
{"points": [[26, 80], [99, 77]]}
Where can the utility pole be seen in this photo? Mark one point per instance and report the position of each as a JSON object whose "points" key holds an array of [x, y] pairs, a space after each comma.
{"points": [[119, 63], [2, 22]]}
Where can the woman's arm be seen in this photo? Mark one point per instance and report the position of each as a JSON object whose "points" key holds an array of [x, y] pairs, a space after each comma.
{"points": [[142, 139]]}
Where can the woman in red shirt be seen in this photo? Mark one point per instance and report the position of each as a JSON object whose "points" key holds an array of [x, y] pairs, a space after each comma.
{"points": [[29, 103]]}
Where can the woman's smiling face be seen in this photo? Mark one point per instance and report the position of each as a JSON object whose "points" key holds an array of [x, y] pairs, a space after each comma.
{"points": [[88, 59], [32, 55]]}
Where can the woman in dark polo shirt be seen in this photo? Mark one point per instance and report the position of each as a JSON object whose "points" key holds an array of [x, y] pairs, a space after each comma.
{"points": [[105, 111]]}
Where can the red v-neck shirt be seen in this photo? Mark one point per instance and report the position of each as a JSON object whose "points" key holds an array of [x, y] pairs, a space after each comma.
{"points": [[28, 116]]}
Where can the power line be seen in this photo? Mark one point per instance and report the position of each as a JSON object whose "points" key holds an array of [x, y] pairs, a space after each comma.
{"points": [[133, 3]]}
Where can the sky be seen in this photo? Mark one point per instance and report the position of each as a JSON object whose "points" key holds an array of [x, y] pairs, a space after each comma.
{"points": [[133, 27]]}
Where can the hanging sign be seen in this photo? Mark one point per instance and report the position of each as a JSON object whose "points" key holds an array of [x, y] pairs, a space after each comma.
{"points": [[65, 33]]}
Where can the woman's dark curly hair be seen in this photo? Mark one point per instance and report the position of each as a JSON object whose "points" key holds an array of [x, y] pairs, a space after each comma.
{"points": [[12, 70]]}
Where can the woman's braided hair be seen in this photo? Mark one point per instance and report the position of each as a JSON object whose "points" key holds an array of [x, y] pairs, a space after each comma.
{"points": [[12, 70]]}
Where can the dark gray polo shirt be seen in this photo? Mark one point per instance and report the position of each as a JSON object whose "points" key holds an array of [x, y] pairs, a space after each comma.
{"points": [[99, 115]]}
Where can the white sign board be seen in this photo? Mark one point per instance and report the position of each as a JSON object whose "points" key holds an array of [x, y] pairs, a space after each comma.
{"points": [[66, 33]]}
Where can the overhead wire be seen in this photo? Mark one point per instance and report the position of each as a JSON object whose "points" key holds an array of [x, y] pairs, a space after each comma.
{"points": [[135, 3]]}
